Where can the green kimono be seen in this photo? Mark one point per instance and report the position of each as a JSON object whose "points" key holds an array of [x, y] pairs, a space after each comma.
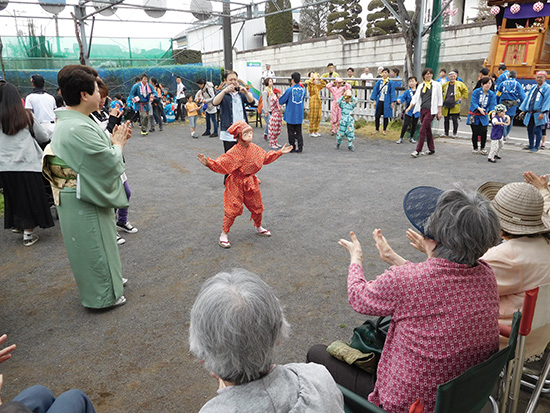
{"points": [[86, 212]]}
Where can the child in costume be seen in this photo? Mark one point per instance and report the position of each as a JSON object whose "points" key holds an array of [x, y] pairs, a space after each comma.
{"points": [[314, 86], [409, 118], [337, 88], [170, 110], [241, 163], [499, 121], [275, 119], [347, 104]]}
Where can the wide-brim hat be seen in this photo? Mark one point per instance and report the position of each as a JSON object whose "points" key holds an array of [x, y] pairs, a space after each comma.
{"points": [[419, 204], [519, 206]]}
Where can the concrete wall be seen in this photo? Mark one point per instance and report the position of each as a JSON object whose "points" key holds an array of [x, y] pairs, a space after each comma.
{"points": [[461, 45]]}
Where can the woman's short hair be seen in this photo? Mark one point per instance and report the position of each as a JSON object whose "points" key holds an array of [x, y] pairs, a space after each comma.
{"points": [[426, 71], [464, 226], [74, 79], [236, 322], [103, 89], [485, 80], [266, 81]]}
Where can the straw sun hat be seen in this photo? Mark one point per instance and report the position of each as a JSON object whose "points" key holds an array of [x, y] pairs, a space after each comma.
{"points": [[519, 206]]}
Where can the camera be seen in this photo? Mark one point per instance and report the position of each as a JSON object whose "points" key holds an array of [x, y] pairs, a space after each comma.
{"points": [[237, 89]]}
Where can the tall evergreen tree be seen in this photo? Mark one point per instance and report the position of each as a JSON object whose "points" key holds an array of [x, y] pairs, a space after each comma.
{"points": [[343, 18], [380, 21], [313, 20], [279, 27]]}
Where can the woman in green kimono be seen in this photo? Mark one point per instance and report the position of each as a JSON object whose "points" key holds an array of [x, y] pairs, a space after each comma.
{"points": [[84, 166]]}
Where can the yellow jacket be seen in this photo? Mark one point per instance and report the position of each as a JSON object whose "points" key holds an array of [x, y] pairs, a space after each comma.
{"points": [[461, 92]]}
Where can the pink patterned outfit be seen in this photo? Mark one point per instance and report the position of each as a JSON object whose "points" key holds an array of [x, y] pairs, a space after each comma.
{"points": [[275, 120], [335, 113], [444, 321]]}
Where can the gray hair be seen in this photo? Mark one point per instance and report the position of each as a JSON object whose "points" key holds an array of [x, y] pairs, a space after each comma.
{"points": [[464, 225], [513, 74], [236, 322]]}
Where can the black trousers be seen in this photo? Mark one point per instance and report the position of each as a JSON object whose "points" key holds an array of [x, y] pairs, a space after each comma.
{"points": [[409, 121], [351, 377], [380, 113], [454, 117], [295, 136], [479, 130], [180, 110]]}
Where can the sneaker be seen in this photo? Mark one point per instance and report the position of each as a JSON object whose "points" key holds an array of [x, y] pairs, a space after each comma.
{"points": [[144, 133], [206, 134], [428, 153], [351, 148], [491, 160], [337, 146], [279, 146], [194, 135], [30, 241], [317, 134], [475, 151], [124, 281], [412, 141], [274, 147], [484, 152], [415, 154], [497, 157], [16, 231], [214, 135], [384, 132], [399, 141], [454, 136], [542, 146], [151, 130], [127, 227], [119, 302], [534, 150], [119, 239], [527, 148]]}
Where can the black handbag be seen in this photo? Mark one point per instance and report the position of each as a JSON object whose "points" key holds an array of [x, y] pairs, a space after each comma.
{"points": [[370, 336]]}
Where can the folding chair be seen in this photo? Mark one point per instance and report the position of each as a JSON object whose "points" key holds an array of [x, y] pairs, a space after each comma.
{"points": [[534, 335], [467, 393]]}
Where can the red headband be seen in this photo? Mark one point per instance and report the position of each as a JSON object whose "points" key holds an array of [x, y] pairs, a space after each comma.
{"points": [[238, 128]]}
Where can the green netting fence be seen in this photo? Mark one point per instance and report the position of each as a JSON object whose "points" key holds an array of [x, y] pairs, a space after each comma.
{"points": [[120, 80], [44, 52]]}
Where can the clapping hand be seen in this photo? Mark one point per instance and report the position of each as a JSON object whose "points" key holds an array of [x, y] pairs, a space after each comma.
{"points": [[5, 353], [354, 249], [386, 252], [539, 182]]}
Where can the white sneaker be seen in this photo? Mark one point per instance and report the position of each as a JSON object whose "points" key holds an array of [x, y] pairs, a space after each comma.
{"points": [[129, 228], [475, 151], [119, 239], [415, 154]]}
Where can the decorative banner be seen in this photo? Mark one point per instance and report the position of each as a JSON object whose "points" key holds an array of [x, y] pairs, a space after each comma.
{"points": [[201, 9], [538, 6], [52, 6], [107, 12], [515, 8], [495, 10], [158, 10]]}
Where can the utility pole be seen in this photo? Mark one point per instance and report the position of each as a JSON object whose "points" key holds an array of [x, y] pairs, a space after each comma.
{"points": [[418, 46], [227, 41]]}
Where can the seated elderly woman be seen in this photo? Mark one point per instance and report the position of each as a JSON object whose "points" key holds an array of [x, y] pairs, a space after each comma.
{"points": [[236, 322], [444, 310]]}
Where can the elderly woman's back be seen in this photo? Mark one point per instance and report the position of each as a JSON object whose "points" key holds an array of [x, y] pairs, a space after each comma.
{"points": [[236, 322]]}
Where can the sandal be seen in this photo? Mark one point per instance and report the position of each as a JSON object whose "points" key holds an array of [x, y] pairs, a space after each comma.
{"points": [[263, 232], [224, 242]]}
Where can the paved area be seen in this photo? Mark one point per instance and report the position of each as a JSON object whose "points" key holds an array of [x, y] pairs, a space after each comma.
{"points": [[135, 358]]}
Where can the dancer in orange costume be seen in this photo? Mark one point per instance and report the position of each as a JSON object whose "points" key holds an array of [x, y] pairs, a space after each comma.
{"points": [[241, 163]]}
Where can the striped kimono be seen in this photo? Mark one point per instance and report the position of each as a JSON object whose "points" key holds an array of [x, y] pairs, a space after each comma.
{"points": [[275, 120]]}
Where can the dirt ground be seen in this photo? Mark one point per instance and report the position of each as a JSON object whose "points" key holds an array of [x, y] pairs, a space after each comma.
{"points": [[135, 357]]}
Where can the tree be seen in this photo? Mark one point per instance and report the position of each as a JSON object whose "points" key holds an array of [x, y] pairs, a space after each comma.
{"points": [[381, 20], [313, 20], [483, 12], [278, 27], [343, 18]]}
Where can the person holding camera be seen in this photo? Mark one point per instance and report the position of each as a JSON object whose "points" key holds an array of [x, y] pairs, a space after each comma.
{"points": [[232, 101]]}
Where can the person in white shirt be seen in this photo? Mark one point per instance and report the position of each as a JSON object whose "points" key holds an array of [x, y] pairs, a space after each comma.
{"points": [[41, 104], [268, 72], [366, 74], [180, 99]]}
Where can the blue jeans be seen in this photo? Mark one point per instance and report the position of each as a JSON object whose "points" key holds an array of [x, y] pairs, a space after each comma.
{"points": [[40, 399], [534, 133], [266, 118], [211, 117]]}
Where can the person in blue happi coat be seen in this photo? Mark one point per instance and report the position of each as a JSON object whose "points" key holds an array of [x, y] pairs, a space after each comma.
{"points": [[384, 95], [536, 106]]}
